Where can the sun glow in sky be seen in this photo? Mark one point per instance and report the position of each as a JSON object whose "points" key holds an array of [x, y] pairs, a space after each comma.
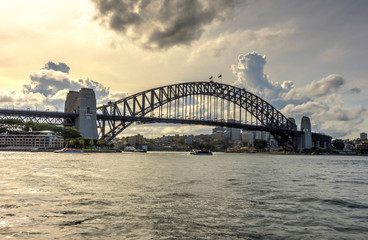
{"points": [[304, 57]]}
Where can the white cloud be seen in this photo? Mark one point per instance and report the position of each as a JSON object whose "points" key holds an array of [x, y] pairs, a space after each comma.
{"points": [[329, 115], [320, 99], [250, 75], [49, 86], [307, 108], [20, 100], [112, 96], [325, 86]]}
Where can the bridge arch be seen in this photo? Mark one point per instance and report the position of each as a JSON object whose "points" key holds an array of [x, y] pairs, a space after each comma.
{"points": [[197, 98]]}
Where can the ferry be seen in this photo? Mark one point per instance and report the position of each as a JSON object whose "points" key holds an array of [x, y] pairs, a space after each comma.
{"points": [[129, 149], [68, 150], [201, 152], [141, 150], [133, 149]]}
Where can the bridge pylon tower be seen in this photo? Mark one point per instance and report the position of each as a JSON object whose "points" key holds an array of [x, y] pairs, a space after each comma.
{"points": [[83, 103]]}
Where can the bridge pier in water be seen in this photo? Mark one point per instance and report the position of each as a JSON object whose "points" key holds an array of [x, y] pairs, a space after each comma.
{"points": [[83, 103]]}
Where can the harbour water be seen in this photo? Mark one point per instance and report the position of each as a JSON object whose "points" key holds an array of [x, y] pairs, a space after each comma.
{"points": [[181, 196]]}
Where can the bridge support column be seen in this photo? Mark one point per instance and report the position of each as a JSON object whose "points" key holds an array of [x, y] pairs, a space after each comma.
{"points": [[306, 137], [84, 103]]}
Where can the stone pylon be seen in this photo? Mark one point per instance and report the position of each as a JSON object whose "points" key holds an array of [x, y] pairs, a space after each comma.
{"points": [[84, 103]]}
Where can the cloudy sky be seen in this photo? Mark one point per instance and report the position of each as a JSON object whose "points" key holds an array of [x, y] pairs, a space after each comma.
{"points": [[304, 57]]}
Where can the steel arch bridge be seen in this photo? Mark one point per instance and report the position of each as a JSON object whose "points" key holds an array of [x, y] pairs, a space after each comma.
{"points": [[205, 103]]}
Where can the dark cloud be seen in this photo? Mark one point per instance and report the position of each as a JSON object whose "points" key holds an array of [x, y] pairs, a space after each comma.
{"points": [[5, 97], [62, 67], [355, 90], [162, 24], [325, 86], [320, 88]]}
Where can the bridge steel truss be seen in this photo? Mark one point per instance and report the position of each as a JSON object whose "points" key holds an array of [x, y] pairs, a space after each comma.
{"points": [[208, 103], [55, 118]]}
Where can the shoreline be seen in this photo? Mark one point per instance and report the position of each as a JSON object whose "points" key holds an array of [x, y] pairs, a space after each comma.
{"points": [[51, 150], [117, 151]]}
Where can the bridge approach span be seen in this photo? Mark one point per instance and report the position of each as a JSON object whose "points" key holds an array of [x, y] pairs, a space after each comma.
{"points": [[52, 117]]}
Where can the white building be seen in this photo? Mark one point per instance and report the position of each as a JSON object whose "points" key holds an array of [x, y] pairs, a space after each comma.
{"points": [[248, 137], [29, 140], [136, 140], [235, 133]]}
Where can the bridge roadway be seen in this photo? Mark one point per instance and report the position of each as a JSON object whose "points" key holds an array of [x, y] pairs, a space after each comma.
{"points": [[195, 122], [52, 117], [67, 119], [315, 136]]}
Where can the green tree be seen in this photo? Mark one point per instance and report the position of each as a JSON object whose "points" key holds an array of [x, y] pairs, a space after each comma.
{"points": [[363, 151], [9, 125], [260, 144], [70, 143], [100, 143], [65, 132], [40, 127], [338, 144], [3, 129], [88, 142], [69, 132], [11, 122], [81, 142]]}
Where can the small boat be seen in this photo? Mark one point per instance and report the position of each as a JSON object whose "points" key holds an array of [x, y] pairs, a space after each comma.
{"points": [[201, 152], [130, 149], [141, 150], [35, 149], [68, 150], [133, 149]]}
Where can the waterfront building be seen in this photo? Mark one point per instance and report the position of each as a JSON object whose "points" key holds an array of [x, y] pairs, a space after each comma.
{"points": [[235, 133], [189, 140], [361, 146], [262, 135], [119, 144], [273, 142], [363, 136], [219, 135], [165, 138], [30, 140], [136, 140], [218, 130], [248, 137]]}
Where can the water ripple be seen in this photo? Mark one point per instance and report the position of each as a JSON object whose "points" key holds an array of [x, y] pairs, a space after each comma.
{"points": [[177, 196]]}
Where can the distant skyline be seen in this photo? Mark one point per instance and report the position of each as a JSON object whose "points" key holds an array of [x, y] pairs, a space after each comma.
{"points": [[307, 58]]}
